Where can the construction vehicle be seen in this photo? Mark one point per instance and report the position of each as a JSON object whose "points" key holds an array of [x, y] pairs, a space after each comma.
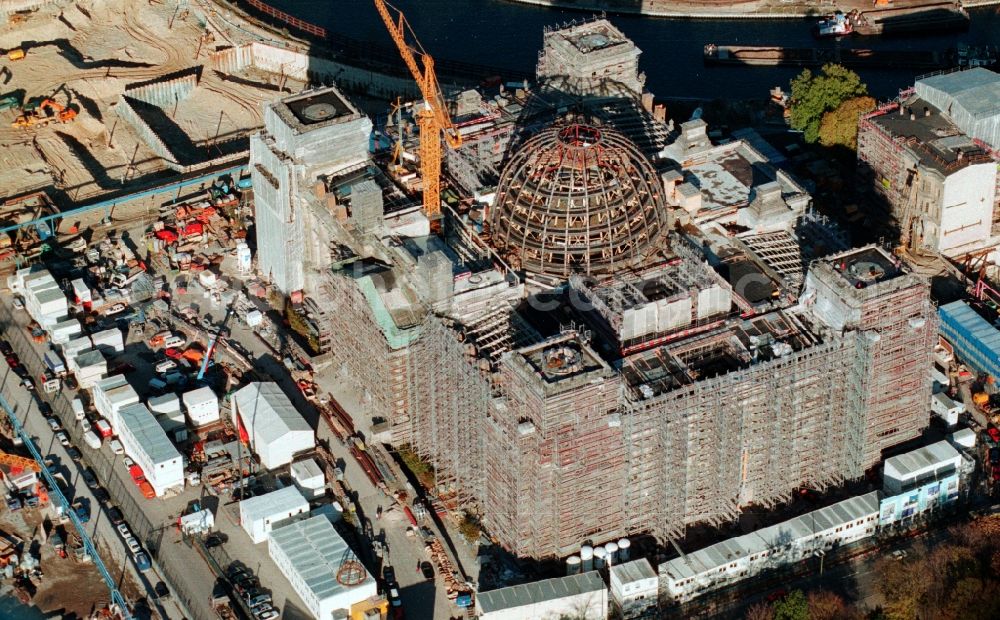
{"points": [[17, 53], [11, 100], [41, 115], [433, 119]]}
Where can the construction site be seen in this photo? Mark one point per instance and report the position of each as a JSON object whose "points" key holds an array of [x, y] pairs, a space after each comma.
{"points": [[587, 321], [575, 320], [99, 97]]}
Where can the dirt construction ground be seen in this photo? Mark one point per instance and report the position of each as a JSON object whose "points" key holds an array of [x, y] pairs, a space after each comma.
{"points": [[84, 56], [67, 586]]}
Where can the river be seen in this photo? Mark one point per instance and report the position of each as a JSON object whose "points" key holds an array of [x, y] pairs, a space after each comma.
{"points": [[508, 35]]}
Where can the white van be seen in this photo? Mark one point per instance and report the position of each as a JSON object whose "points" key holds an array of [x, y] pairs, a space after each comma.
{"points": [[174, 342], [92, 440], [78, 409]]}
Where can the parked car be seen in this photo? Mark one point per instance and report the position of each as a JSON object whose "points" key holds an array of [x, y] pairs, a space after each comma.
{"points": [[63, 438], [5, 348], [215, 539], [117, 447], [268, 614], [142, 561], [13, 361], [101, 494], [256, 597], [45, 408], [427, 570], [28, 384], [90, 478], [127, 462], [85, 425], [70, 382], [147, 490], [13, 503], [73, 453], [115, 516], [994, 456], [161, 590], [124, 531], [247, 584], [388, 574], [53, 424], [133, 544], [18, 302]]}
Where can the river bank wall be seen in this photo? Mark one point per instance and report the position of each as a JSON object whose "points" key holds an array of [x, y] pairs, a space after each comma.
{"points": [[707, 9]]}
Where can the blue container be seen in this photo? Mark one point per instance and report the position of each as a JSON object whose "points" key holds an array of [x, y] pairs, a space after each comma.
{"points": [[976, 340]]}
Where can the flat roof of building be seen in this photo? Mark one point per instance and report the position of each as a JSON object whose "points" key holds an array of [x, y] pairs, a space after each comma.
{"points": [[539, 592], [561, 358], [865, 266], [939, 143], [316, 552], [318, 106], [922, 460], [148, 432], [630, 572], [723, 553], [279, 502]]}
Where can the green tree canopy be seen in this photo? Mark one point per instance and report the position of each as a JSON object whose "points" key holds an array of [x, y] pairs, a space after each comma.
{"points": [[815, 95], [795, 606], [840, 127]]}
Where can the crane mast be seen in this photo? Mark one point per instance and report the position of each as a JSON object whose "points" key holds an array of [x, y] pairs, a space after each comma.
{"points": [[432, 115]]}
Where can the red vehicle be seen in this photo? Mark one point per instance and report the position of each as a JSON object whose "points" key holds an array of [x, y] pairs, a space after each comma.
{"points": [[174, 354], [994, 433], [103, 428], [137, 476], [147, 490], [12, 361]]}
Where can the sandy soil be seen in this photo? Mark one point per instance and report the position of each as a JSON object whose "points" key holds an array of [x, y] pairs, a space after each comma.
{"points": [[85, 56]]}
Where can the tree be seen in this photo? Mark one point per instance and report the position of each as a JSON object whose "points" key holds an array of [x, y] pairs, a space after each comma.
{"points": [[792, 607], [815, 95], [840, 127], [759, 611], [825, 605], [470, 527]]}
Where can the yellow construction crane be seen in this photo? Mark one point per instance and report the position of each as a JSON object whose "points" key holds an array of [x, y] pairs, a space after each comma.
{"points": [[432, 116]]}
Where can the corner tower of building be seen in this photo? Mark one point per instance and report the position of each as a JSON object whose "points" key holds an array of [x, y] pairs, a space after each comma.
{"points": [[305, 135]]}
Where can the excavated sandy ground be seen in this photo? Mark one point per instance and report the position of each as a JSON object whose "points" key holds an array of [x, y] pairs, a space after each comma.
{"points": [[86, 55]]}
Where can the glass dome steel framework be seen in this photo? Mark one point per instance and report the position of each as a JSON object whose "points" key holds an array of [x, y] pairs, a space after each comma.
{"points": [[578, 199]]}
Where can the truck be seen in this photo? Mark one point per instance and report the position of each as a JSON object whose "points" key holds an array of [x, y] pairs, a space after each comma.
{"points": [[103, 428], [54, 363], [78, 410]]}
